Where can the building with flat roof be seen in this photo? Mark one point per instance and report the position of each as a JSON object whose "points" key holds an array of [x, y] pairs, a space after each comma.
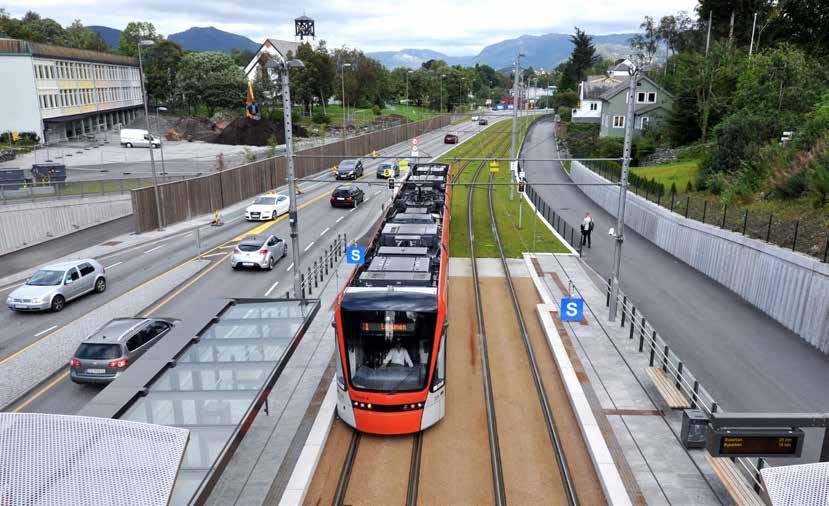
{"points": [[65, 93]]}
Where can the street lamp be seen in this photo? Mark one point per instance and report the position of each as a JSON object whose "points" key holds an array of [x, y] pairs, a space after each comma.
{"points": [[441, 91], [150, 140], [345, 109], [407, 88], [160, 135], [283, 67]]}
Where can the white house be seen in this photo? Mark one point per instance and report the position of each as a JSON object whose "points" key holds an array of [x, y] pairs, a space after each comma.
{"points": [[592, 88], [273, 48], [65, 92]]}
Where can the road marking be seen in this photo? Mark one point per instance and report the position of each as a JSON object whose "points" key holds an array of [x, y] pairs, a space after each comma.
{"points": [[271, 288], [41, 391], [116, 264], [11, 287], [352, 209], [289, 268], [151, 250], [186, 236], [309, 246], [324, 231], [185, 287], [378, 191], [45, 331], [339, 219]]}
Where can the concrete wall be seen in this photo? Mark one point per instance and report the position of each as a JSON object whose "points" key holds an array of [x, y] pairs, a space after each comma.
{"points": [[23, 225], [790, 287], [19, 109]]}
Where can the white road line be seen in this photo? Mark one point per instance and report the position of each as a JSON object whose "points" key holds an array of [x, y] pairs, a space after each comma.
{"points": [[352, 209], [113, 265], [309, 246], [271, 288], [151, 250], [324, 231], [45, 331], [186, 236], [339, 219], [10, 287], [289, 268], [378, 191], [233, 220]]}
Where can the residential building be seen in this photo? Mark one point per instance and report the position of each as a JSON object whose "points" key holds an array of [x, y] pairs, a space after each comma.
{"points": [[65, 93], [273, 48], [652, 104], [590, 97]]}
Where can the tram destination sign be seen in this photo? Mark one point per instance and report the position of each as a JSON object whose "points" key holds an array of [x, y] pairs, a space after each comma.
{"points": [[753, 442]]}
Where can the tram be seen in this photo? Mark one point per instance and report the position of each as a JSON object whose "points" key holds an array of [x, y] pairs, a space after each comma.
{"points": [[390, 317]]}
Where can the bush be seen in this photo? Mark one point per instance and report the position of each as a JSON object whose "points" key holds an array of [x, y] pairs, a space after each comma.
{"points": [[320, 118], [565, 113], [376, 110], [24, 138], [249, 156], [689, 187]]}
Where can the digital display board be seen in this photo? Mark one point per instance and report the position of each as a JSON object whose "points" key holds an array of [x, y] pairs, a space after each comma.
{"points": [[401, 328], [737, 442]]}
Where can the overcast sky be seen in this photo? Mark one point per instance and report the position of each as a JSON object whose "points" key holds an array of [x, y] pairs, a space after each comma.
{"points": [[454, 27]]}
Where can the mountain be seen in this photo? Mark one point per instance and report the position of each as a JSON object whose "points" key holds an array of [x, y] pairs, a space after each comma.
{"points": [[540, 51], [110, 35], [212, 39]]}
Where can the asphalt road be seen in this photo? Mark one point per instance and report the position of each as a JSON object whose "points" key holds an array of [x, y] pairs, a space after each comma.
{"points": [[319, 225], [746, 360]]}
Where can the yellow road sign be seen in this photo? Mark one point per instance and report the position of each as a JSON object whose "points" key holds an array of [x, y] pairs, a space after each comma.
{"points": [[494, 166]]}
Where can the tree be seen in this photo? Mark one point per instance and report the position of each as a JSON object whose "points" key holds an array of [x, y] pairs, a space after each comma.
{"points": [[743, 11], [212, 79], [646, 43], [81, 37], [161, 63], [801, 22], [581, 60], [678, 32], [315, 82], [133, 33], [242, 58]]}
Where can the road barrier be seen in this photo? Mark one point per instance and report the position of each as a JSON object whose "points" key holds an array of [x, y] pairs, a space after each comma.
{"points": [[182, 200]]}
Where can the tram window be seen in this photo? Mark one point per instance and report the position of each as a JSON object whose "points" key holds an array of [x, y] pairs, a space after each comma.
{"points": [[388, 351], [440, 368]]}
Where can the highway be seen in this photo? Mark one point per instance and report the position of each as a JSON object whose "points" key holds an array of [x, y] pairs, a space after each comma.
{"points": [[319, 226], [746, 360]]}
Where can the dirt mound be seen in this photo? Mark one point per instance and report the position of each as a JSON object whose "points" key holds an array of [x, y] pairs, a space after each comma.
{"points": [[196, 129], [250, 132]]}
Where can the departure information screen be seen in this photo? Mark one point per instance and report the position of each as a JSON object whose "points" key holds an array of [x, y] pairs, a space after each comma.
{"points": [[758, 445], [397, 328]]}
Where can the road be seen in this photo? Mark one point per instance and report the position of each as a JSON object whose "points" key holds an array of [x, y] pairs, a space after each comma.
{"points": [[745, 359], [319, 225]]}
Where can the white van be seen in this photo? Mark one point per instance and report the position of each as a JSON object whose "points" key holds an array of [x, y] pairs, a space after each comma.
{"points": [[138, 138]]}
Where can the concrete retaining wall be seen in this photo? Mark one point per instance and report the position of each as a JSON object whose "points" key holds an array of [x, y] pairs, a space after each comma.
{"points": [[23, 225], [790, 287]]}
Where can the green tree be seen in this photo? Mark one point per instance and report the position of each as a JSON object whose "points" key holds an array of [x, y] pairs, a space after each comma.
{"points": [[581, 60], [160, 68], [801, 22], [133, 33], [242, 58], [315, 82], [212, 79], [743, 11], [646, 42], [81, 37]]}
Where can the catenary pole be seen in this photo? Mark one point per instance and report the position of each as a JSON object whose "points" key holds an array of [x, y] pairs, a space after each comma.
{"points": [[620, 212], [150, 141]]}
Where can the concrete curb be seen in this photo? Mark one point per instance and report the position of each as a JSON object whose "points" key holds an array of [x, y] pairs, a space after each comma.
{"points": [[550, 227], [611, 480]]}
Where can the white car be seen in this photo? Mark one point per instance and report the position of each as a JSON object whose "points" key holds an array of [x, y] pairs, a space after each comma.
{"points": [[267, 207], [474, 118]]}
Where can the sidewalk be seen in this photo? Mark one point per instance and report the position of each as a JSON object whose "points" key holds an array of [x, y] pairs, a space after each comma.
{"points": [[627, 405]]}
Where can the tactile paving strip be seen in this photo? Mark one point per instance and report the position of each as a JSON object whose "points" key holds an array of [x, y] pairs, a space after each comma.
{"points": [[800, 485], [70, 460]]}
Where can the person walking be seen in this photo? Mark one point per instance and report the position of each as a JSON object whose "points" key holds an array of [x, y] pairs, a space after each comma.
{"points": [[587, 226]]}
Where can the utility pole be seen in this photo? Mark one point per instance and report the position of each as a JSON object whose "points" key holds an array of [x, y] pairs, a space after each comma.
{"points": [[515, 101], [708, 37], [345, 110], [753, 26], [150, 140], [620, 212], [283, 67]]}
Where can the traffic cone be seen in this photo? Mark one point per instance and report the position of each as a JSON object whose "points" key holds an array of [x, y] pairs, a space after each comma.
{"points": [[217, 219], [298, 191]]}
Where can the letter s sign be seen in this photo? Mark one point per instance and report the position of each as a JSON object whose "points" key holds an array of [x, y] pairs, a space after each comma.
{"points": [[355, 255], [572, 310]]}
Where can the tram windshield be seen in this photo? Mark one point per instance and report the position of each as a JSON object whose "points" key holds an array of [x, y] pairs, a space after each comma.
{"points": [[388, 351]]}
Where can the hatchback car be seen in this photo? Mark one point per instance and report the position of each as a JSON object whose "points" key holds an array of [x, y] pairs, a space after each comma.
{"points": [[258, 251], [266, 207], [450, 139], [483, 121], [104, 355], [52, 286], [347, 195], [350, 169], [387, 170]]}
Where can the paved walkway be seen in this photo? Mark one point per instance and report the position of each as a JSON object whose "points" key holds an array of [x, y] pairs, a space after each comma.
{"points": [[630, 411]]}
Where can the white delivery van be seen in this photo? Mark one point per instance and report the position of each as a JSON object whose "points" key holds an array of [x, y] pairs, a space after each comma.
{"points": [[138, 138]]}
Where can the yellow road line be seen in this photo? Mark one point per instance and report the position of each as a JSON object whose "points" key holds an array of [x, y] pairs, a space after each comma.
{"points": [[186, 286], [41, 392]]}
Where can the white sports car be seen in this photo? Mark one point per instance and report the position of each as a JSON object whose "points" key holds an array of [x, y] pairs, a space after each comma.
{"points": [[267, 207]]}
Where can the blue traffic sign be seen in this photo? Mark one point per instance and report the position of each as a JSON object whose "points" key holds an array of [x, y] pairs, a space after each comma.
{"points": [[355, 255], [572, 310]]}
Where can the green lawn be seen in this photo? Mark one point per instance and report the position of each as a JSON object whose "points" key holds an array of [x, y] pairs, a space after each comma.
{"points": [[679, 172], [514, 239], [360, 117]]}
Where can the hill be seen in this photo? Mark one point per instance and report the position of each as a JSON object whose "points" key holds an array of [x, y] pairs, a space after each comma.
{"points": [[110, 35], [212, 39]]}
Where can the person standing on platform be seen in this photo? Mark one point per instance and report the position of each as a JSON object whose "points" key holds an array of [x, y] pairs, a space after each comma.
{"points": [[587, 226]]}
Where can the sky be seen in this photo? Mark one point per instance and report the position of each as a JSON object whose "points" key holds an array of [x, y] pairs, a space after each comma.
{"points": [[453, 27]]}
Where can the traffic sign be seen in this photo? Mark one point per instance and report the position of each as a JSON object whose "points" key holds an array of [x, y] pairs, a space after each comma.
{"points": [[494, 166], [355, 255], [404, 165], [572, 310], [414, 141]]}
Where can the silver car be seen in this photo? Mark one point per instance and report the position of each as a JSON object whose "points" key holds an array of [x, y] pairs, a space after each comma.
{"points": [[258, 251], [54, 285], [104, 355]]}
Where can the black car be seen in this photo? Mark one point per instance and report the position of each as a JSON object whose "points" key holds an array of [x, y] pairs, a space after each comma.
{"points": [[350, 169], [347, 195], [450, 139], [483, 121]]}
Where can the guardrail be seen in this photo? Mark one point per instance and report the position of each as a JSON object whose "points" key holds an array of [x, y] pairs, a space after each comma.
{"points": [[12, 193]]}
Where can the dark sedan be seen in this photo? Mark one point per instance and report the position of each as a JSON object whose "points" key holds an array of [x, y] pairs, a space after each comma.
{"points": [[450, 139], [347, 196]]}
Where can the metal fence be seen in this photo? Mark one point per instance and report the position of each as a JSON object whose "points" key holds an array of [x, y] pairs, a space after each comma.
{"points": [[555, 220], [181, 200], [15, 193]]}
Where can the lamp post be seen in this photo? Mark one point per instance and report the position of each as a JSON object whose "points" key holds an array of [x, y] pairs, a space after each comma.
{"points": [[283, 67], [441, 91], [160, 135], [345, 109], [407, 88], [150, 140], [634, 72]]}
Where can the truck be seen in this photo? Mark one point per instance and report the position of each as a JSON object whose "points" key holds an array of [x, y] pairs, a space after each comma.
{"points": [[132, 137]]}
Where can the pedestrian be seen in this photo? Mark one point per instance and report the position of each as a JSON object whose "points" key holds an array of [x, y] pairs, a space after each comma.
{"points": [[587, 226]]}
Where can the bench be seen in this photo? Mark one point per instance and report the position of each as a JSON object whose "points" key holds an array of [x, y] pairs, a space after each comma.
{"points": [[667, 389], [738, 487]]}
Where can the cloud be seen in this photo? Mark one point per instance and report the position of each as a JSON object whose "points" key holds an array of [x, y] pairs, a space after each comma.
{"points": [[459, 27]]}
